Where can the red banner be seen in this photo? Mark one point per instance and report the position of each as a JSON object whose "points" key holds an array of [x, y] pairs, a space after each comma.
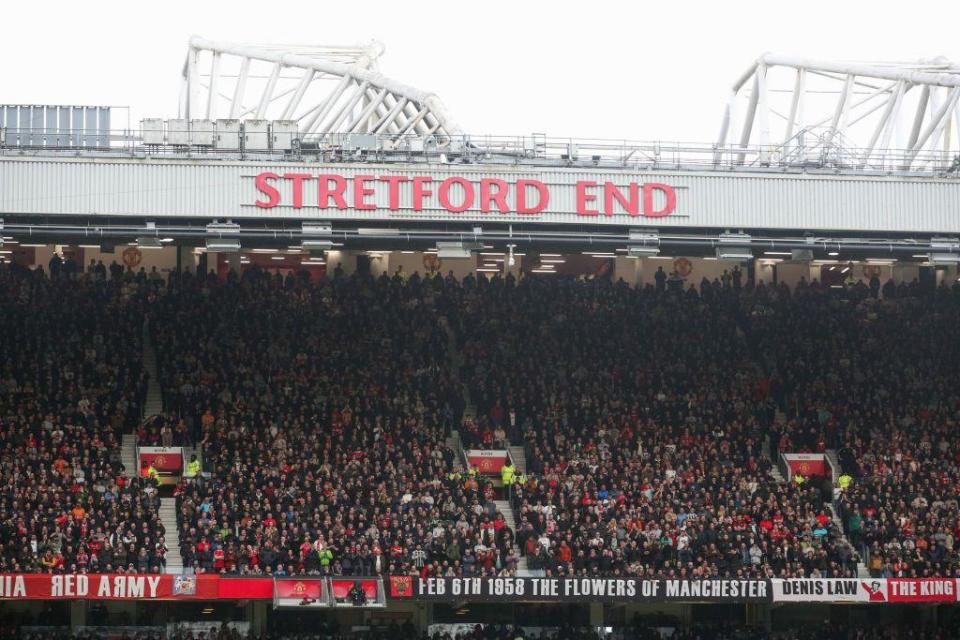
{"points": [[341, 588], [163, 459], [487, 461], [42, 586], [294, 592], [245, 589], [921, 590]]}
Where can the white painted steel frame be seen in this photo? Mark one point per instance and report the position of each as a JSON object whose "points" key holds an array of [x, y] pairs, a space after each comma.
{"points": [[933, 124], [375, 103]]}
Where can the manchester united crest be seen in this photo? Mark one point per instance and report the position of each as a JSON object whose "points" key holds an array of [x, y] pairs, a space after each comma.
{"points": [[683, 267], [401, 586], [132, 257]]}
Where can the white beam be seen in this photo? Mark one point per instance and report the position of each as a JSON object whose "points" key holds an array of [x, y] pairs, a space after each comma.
{"points": [[212, 93], [886, 72], [358, 120], [387, 119], [240, 88], [764, 115], [751, 113], [305, 80], [327, 105], [936, 122], [192, 88], [267, 95], [345, 110], [883, 125], [799, 87], [918, 118]]}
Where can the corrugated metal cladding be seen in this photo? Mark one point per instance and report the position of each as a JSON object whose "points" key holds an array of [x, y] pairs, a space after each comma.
{"points": [[135, 187]]}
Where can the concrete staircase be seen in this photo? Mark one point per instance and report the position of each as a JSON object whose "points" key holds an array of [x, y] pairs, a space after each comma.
{"points": [[523, 567], [503, 506], [154, 401], [519, 458], [833, 516], [168, 516], [128, 454], [834, 460], [775, 472], [453, 443]]}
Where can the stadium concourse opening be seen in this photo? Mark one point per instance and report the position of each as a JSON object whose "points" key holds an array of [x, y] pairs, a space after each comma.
{"points": [[306, 359]]}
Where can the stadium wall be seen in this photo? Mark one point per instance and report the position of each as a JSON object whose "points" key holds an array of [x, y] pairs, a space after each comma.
{"points": [[124, 187]]}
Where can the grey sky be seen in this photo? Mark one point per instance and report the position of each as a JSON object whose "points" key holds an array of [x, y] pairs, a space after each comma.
{"points": [[641, 71]]}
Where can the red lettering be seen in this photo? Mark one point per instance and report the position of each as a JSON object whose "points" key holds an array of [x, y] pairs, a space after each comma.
{"points": [[393, 189], [297, 179], [611, 193], [667, 191], [419, 193], [583, 198], [337, 194], [361, 191], [498, 197], [543, 192], [264, 187], [444, 194]]}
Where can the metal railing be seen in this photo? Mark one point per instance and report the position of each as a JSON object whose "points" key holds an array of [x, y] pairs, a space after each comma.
{"points": [[801, 153]]}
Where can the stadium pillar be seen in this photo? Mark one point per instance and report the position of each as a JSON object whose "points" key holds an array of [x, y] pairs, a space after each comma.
{"points": [[185, 259], [758, 616], [346, 259], [256, 615], [233, 261], [78, 614], [596, 614], [514, 270], [629, 269], [422, 617]]}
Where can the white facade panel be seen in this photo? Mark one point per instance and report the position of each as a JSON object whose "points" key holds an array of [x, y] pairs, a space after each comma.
{"points": [[171, 188]]}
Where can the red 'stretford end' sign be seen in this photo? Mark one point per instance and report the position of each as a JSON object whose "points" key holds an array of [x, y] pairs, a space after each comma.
{"points": [[456, 194]]}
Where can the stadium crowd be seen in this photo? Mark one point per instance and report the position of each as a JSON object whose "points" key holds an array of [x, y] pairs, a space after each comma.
{"points": [[71, 383], [323, 410], [643, 416], [875, 380]]}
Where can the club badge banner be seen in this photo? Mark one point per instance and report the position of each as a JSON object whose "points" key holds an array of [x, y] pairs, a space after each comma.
{"points": [[487, 461], [163, 459], [807, 464]]}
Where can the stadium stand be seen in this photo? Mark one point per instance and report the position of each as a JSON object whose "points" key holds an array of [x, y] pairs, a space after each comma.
{"points": [[323, 411], [872, 378], [71, 383], [643, 415]]}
